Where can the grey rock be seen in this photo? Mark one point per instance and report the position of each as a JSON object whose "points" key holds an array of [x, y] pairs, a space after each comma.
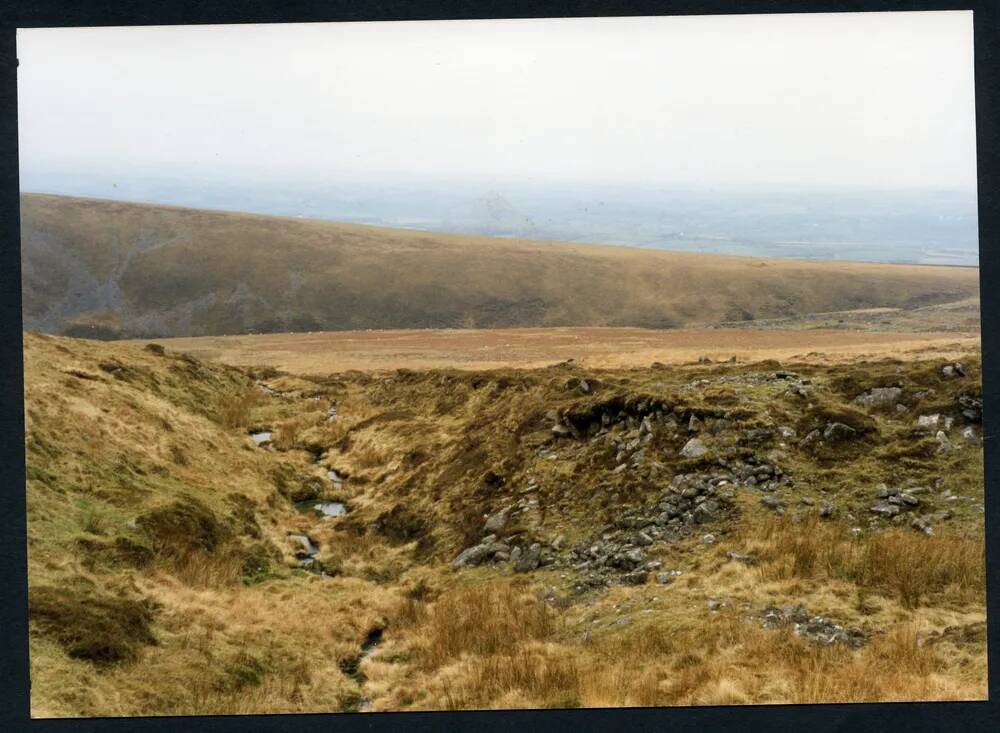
{"points": [[884, 509], [471, 556], [706, 512], [922, 524], [694, 448], [771, 502], [528, 560], [810, 438], [636, 577], [497, 521], [928, 421], [880, 397]]}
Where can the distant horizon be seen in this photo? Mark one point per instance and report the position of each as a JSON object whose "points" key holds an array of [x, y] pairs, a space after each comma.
{"points": [[728, 245]]}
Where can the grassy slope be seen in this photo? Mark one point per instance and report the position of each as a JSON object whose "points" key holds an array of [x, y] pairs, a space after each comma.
{"points": [[136, 462], [105, 268]]}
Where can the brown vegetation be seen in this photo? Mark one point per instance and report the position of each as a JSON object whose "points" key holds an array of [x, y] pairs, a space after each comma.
{"points": [[189, 272], [164, 580]]}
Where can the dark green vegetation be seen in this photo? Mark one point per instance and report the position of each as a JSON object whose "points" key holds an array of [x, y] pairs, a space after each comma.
{"points": [[106, 269]]}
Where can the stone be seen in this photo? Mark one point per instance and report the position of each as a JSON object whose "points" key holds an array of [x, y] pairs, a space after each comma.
{"points": [[694, 448], [928, 421], [635, 556], [884, 509], [706, 512], [826, 510], [969, 434], [471, 556], [810, 438], [694, 424], [786, 432], [880, 397], [302, 546], [664, 578], [921, 524], [561, 431], [771, 502], [942, 438], [528, 560], [708, 539], [909, 499], [636, 577], [497, 521]]}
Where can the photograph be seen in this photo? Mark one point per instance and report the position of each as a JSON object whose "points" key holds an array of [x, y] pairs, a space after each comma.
{"points": [[501, 364]]}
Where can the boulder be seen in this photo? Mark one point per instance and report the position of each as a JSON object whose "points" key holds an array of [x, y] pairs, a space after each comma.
{"points": [[636, 577], [497, 521], [706, 512], [694, 448], [880, 397], [772, 502], [528, 559], [884, 509], [928, 421]]}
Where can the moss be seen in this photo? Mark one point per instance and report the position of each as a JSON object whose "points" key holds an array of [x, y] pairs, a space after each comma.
{"points": [[243, 672], [102, 629], [121, 552], [184, 526]]}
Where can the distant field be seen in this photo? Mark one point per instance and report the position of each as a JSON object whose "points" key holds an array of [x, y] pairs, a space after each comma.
{"points": [[319, 353]]}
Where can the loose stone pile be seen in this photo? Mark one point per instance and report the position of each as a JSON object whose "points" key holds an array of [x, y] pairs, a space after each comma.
{"points": [[814, 628]]}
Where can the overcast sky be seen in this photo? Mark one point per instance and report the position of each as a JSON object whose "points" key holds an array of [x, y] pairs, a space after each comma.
{"points": [[882, 99]]}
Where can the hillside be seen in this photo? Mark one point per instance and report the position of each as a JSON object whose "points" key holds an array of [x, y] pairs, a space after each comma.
{"points": [[106, 269], [673, 535]]}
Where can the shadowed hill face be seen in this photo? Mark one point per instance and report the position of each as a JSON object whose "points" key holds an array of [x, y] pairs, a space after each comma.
{"points": [[111, 269]]}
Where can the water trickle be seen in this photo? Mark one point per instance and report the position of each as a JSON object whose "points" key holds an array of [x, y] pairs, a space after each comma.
{"points": [[324, 509], [262, 437]]}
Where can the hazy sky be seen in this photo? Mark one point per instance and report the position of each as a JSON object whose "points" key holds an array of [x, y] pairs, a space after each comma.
{"points": [[884, 99]]}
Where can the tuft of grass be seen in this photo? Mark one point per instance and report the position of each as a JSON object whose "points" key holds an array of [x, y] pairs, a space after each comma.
{"points": [[101, 629], [902, 561], [234, 410], [482, 620]]}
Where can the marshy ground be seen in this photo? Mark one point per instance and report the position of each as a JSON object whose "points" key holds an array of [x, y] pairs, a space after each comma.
{"points": [[577, 534]]}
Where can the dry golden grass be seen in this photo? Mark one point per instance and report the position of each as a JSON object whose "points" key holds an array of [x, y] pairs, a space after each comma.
{"points": [[509, 651], [115, 516], [899, 561], [235, 410], [613, 348], [482, 620]]}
